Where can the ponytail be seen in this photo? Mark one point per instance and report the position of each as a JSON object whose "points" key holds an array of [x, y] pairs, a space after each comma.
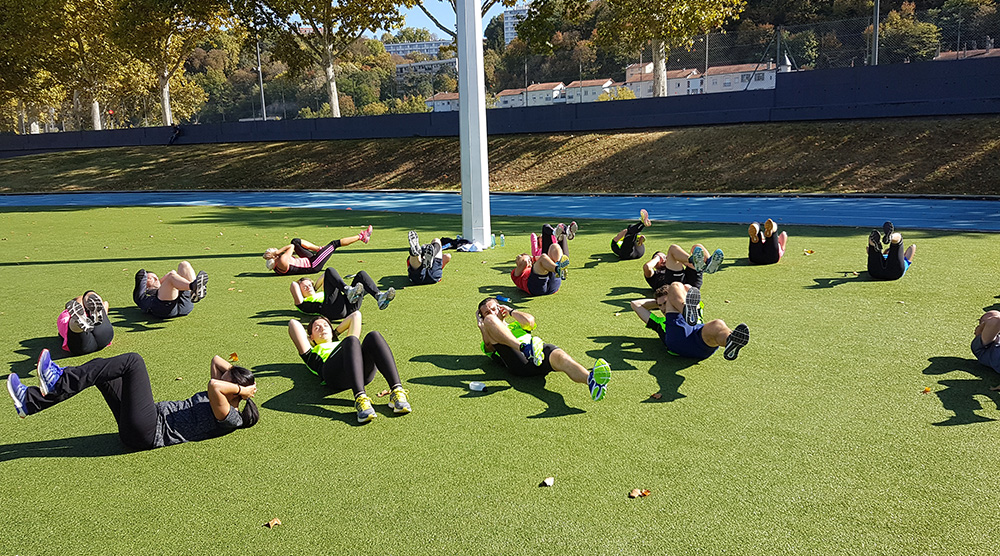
{"points": [[244, 377]]}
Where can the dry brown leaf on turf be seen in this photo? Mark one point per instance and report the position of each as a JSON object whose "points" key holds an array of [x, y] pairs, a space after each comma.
{"points": [[233, 357], [179, 378], [231, 289], [994, 389], [273, 523], [382, 394], [635, 493], [644, 492], [926, 390], [656, 396], [547, 482]]}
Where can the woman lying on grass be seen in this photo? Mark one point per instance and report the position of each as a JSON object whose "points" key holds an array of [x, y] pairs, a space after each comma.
{"points": [[303, 257], [349, 363], [142, 423]]}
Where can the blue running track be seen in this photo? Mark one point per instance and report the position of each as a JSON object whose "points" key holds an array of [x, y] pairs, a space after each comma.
{"points": [[867, 212]]}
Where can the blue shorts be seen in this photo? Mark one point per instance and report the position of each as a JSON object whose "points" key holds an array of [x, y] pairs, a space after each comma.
{"points": [[543, 285], [987, 355], [421, 275], [681, 338]]}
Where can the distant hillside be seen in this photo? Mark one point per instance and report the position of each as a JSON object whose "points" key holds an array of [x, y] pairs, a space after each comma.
{"points": [[926, 155]]}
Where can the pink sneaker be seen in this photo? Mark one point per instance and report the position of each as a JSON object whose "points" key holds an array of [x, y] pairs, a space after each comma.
{"points": [[365, 235], [536, 248]]}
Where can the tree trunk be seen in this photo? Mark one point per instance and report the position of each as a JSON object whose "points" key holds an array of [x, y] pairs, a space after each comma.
{"points": [[659, 69], [20, 116], [168, 119], [331, 83], [95, 114]]}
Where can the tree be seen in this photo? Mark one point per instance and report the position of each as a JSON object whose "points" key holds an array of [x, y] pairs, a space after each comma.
{"points": [[620, 93], [666, 25], [408, 34], [162, 33], [493, 35], [29, 58], [903, 38], [312, 32]]}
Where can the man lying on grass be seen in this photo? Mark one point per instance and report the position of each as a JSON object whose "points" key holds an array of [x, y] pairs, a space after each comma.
{"points": [[679, 327], [523, 354]]}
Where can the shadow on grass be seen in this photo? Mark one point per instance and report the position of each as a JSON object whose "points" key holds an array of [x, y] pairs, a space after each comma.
{"points": [[92, 446], [134, 320], [614, 297], [140, 259], [960, 395], [515, 294], [847, 278], [307, 396], [598, 258], [994, 307], [619, 350], [31, 348], [483, 369], [280, 317], [397, 282]]}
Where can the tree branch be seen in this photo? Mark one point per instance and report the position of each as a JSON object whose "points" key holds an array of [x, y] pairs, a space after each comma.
{"points": [[451, 33]]}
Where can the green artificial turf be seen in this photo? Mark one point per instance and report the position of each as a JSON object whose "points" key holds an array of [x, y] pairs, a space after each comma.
{"points": [[817, 440]]}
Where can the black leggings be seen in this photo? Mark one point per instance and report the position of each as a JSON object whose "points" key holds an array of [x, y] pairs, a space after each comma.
{"points": [[886, 268], [354, 363], [628, 250], [547, 232], [316, 260], [124, 382], [765, 250], [335, 305], [82, 343]]}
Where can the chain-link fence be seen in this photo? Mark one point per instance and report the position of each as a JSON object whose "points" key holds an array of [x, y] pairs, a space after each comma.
{"points": [[904, 36]]}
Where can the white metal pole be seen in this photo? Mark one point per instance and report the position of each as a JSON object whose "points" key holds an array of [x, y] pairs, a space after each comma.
{"points": [[472, 124], [875, 36], [260, 78]]}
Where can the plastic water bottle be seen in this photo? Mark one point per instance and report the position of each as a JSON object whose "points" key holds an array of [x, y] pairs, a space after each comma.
{"points": [[503, 240], [477, 386], [493, 241], [503, 299]]}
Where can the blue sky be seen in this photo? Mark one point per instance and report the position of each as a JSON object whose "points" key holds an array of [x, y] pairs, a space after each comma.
{"points": [[442, 11]]}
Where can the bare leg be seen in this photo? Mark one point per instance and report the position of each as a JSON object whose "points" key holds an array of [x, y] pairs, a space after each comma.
{"points": [[562, 362], [186, 271], [989, 327], [677, 258], [715, 333], [676, 296], [910, 252], [445, 259], [172, 285], [621, 235], [414, 262], [782, 240], [344, 242], [498, 333], [546, 264]]}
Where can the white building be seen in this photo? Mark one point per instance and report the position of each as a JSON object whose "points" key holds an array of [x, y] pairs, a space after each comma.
{"points": [[679, 82], [429, 67], [588, 90], [740, 77], [511, 18], [510, 98], [545, 94], [443, 102], [429, 48]]}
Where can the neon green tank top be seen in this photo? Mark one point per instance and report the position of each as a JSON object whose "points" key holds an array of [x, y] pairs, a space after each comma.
{"points": [[515, 328]]}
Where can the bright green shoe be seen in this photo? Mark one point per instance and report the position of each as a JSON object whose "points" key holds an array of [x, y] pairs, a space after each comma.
{"points": [[598, 379], [363, 404]]}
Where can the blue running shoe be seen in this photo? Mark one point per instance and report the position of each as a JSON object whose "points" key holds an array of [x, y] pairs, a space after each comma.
{"points": [[691, 302], [18, 393], [363, 405], [598, 379], [385, 297], [697, 258], [48, 372], [738, 338], [398, 401], [534, 350], [715, 262]]}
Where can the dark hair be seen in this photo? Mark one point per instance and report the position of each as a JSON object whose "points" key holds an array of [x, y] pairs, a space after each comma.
{"points": [[661, 291], [244, 377], [483, 304], [333, 329]]}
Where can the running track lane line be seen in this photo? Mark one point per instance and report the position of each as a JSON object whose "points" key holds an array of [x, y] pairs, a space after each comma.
{"points": [[981, 215]]}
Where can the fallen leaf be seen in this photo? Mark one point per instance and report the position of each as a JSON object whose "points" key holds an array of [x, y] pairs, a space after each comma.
{"points": [[231, 289], [901, 302], [273, 523], [618, 314], [547, 482], [179, 378], [360, 261], [994, 389], [855, 273], [254, 335], [726, 301], [232, 281], [382, 394], [644, 492], [927, 390], [656, 396], [233, 357], [635, 493], [807, 251], [239, 291]]}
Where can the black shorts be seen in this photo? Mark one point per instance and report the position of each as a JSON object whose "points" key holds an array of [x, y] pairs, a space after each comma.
{"points": [[543, 285], [665, 276], [167, 309], [421, 275], [518, 364]]}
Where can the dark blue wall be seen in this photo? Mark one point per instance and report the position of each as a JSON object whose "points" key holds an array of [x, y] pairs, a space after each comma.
{"points": [[920, 89]]}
